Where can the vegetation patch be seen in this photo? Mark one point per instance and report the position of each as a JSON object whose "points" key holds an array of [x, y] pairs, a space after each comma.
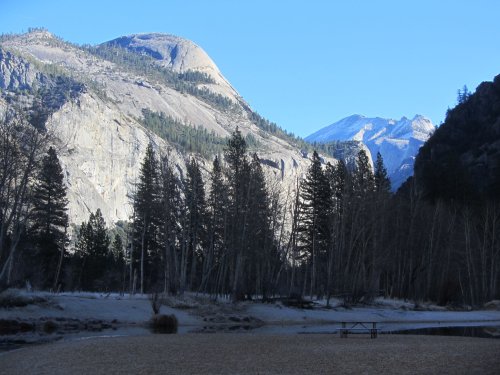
{"points": [[187, 138], [161, 323], [49, 326], [10, 298], [12, 326]]}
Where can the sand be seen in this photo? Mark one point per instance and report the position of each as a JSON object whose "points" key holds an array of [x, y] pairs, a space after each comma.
{"points": [[258, 354]]}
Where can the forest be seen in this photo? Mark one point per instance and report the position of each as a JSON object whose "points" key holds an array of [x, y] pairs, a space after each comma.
{"points": [[341, 233]]}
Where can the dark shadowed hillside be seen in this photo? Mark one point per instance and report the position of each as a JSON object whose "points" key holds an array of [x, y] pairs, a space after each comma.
{"points": [[462, 159]]}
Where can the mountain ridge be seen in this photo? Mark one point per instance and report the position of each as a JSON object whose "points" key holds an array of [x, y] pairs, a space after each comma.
{"points": [[397, 141], [101, 134]]}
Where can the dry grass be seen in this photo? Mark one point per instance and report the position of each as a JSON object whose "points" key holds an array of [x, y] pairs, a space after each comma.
{"points": [[259, 354]]}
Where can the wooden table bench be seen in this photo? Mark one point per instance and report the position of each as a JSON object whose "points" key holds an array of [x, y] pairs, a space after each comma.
{"points": [[359, 327]]}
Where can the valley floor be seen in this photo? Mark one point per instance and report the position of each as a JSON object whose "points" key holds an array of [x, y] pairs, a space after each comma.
{"points": [[258, 354], [269, 345]]}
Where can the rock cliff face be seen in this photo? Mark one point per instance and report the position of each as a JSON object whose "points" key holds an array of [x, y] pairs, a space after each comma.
{"points": [[97, 113], [397, 141], [178, 54], [15, 73]]}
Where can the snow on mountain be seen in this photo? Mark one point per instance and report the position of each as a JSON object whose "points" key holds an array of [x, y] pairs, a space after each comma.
{"points": [[398, 141]]}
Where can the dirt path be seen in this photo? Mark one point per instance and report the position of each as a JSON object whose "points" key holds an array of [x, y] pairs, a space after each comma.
{"points": [[258, 354]]}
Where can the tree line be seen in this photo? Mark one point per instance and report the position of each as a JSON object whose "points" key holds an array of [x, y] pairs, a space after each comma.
{"points": [[340, 233], [188, 138]]}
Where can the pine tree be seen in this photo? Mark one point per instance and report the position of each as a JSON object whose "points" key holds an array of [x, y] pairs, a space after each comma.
{"points": [[315, 212], [213, 260], [196, 210], [360, 257], [235, 155], [238, 174], [338, 178], [259, 254], [463, 95], [93, 250], [363, 179], [117, 247], [118, 262], [382, 182], [381, 210], [172, 213], [49, 218], [146, 219]]}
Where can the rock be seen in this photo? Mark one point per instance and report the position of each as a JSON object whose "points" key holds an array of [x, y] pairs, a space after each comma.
{"points": [[101, 142]]}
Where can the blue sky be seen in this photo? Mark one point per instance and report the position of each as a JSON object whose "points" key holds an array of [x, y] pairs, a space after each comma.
{"points": [[306, 64]]}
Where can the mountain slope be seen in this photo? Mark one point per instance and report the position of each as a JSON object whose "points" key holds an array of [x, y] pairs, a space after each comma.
{"points": [[461, 161], [397, 141], [101, 127], [179, 55]]}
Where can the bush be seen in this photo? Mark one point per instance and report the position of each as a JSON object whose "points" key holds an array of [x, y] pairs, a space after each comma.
{"points": [[49, 326], [161, 323]]}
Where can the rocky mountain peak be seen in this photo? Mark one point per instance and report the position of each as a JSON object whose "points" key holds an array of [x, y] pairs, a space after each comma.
{"points": [[39, 34], [172, 51], [397, 141], [175, 53]]}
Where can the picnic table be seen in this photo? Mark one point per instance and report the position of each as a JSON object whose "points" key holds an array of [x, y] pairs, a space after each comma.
{"points": [[349, 327]]}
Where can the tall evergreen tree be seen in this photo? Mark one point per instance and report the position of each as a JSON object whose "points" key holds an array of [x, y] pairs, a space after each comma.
{"points": [[146, 219], [260, 244], [49, 219], [339, 181], [313, 229], [170, 231], [118, 263], [214, 261], [196, 210], [382, 182], [363, 179], [381, 210], [238, 195], [359, 257], [93, 250], [117, 247]]}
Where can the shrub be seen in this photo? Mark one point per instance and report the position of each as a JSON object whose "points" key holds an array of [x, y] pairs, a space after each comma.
{"points": [[161, 323], [49, 326]]}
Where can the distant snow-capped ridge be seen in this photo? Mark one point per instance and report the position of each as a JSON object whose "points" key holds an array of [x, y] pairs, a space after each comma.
{"points": [[398, 141]]}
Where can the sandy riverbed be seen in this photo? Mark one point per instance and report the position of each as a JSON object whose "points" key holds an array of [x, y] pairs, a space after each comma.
{"points": [[258, 354]]}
